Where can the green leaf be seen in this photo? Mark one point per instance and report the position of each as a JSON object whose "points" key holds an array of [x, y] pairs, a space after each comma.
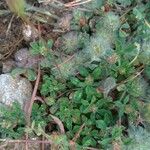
{"points": [[90, 91], [147, 71], [101, 124], [31, 75], [138, 14], [46, 63], [50, 101], [18, 71], [126, 99], [35, 49], [50, 43], [87, 141], [116, 132], [77, 96], [97, 73], [83, 71], [105, 141], [84, 102], [76, 82]]}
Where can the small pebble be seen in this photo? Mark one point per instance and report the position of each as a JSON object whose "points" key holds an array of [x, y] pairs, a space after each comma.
{"points": [[24, 59]]}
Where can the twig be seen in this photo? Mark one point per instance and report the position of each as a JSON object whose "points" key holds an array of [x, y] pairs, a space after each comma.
{"points": [[126, 12], [73, 141], [37, 98], [4, 145], [9, 25], [132, 77], [43, 144], [91, 148], [28, 141], [136, 56], [116, 146], [29, 111], [76, 3], [59, 123], [78, 133], [41, 11], [46, 2]]}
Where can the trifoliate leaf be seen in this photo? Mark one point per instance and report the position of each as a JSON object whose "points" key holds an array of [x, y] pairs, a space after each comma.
{"points": [[101, 124]]}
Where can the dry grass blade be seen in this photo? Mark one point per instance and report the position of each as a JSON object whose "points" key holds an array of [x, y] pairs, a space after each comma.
{"points": [[77, 3], [17, 7], [41, 11]]}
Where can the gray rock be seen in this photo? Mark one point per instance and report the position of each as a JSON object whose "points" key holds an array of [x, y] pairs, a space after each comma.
{"points": [[14, 89], [8, 65], [24, 59]]}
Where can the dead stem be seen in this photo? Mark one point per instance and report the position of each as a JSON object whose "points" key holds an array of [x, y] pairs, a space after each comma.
{"points": [[9, 25], [28, 141], [76, 3], [91, 148], [29, 111], [59, 123], [43, 144], [78, 133]]}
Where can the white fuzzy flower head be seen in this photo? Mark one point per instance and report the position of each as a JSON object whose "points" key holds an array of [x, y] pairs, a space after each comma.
{"points": [[98, 48], [111, 21]]}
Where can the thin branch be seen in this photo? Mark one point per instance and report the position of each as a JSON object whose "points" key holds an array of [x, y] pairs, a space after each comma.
{"points": [[29, 111], [76, 3], [28, 141], [59, 123], [9, 25], [43, 144], [78, 133], [91, 148], [41, 11], [4, 145], [132, 77], [37, 98]]}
